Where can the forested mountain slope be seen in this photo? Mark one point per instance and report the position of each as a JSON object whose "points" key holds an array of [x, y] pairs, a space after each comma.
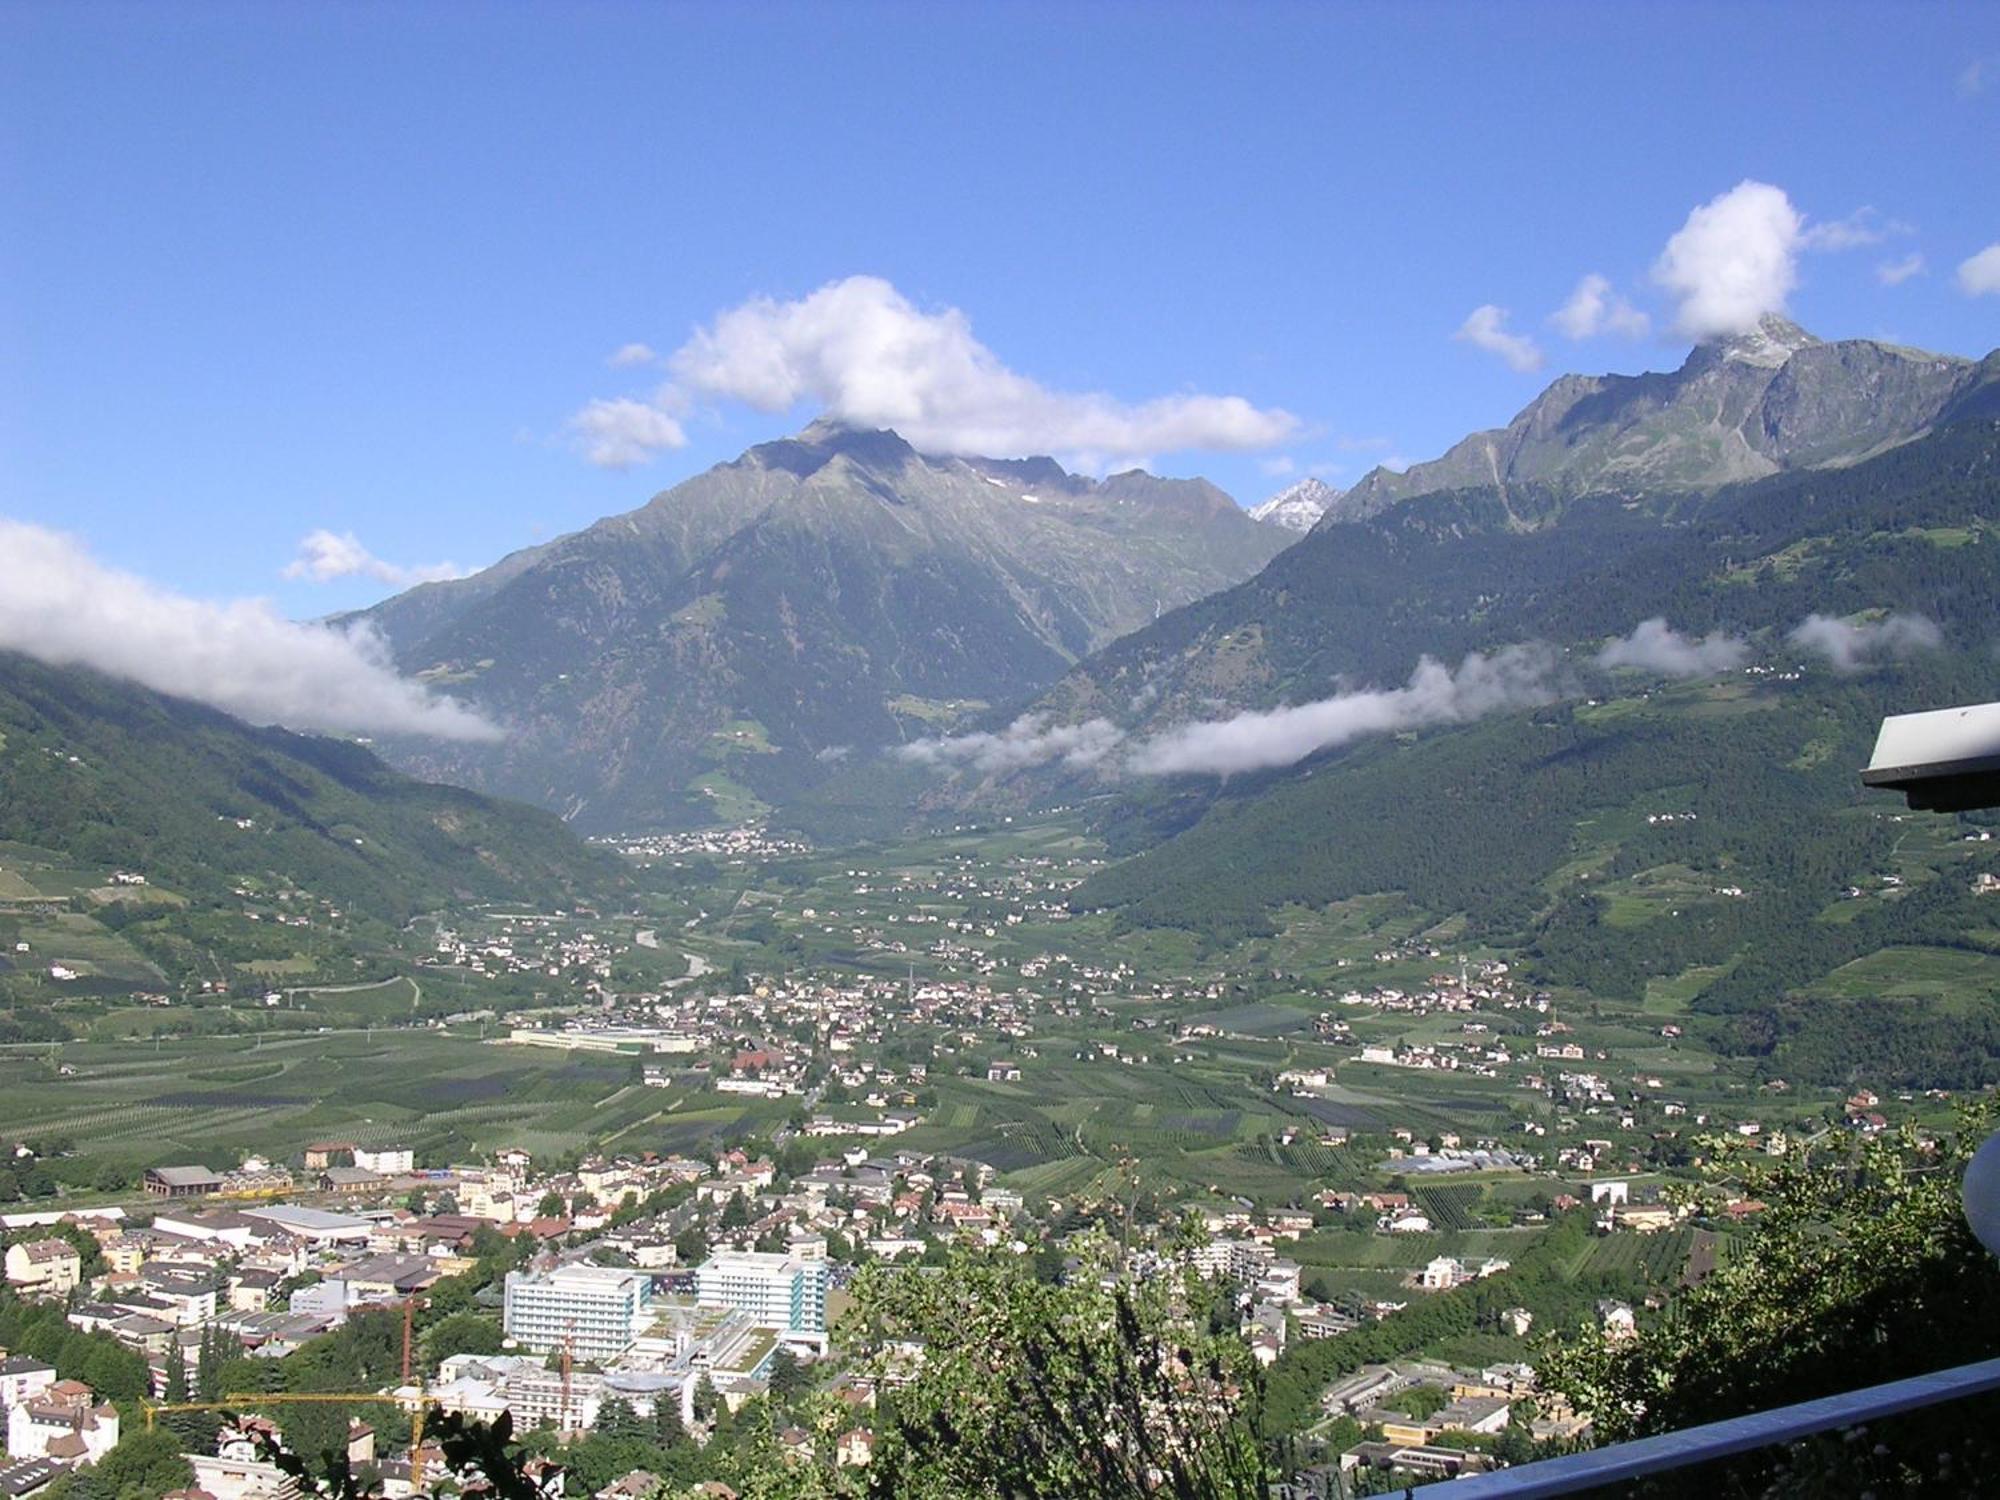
{"points": [[1711, 833], [112, 775]]}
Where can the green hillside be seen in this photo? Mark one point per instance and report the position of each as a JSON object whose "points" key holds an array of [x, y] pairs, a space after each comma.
{"points": [[105, 777], [1767, 871]]}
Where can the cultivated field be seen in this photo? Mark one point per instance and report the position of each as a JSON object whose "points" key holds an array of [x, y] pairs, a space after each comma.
{"points": [[447, 1095]]}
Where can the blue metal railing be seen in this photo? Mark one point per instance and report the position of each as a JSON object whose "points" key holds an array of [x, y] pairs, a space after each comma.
{"points": [[1696, 1445]]}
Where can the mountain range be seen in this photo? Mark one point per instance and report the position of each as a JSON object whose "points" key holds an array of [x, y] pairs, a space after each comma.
{"points": [[729, 643], [1805, 607], [757, 633], [1764, 402], [1696, 591]]}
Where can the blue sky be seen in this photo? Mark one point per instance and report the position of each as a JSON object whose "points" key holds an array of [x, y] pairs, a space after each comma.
{"points": [[274, 269]]}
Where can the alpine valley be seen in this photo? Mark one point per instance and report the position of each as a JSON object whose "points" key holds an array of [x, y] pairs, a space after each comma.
{"points": [[1623, 821], [1133, 860]]}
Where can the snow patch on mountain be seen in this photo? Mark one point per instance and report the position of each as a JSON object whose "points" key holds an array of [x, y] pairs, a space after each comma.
{"points": [[1297, 507]]}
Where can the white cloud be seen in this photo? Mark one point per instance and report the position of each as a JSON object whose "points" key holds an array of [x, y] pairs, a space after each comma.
{"points": [[629, 356], [326, 555], [1028, 741], [59, 605], [618, 433], [1735, 259], [1896, 272], [1594, 308], [1513, 677], [1850, 646], [869, 357], [1485, 327], [1655, 646], [834, 753], [1279, 467], [1861, 228], [1980, 276]]}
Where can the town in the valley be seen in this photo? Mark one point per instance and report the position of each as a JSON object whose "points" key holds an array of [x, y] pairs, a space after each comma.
{"points": [[616, 1174]]}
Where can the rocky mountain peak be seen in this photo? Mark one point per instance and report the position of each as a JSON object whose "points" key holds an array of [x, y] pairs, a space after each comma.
{"points": [[1297, 507], [826, 439], [1769, 398], [833, 588], [1773, 341]]}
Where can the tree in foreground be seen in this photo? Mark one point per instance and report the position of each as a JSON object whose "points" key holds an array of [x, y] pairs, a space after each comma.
{"points": [[1101, 1386], [144, 1465], [1860, 1269]]}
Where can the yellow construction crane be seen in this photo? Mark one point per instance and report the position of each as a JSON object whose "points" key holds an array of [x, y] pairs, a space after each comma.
{"points": [[418, 1403]]}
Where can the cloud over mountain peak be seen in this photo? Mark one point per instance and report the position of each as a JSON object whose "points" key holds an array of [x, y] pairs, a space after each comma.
{"points": [[866, 355]]}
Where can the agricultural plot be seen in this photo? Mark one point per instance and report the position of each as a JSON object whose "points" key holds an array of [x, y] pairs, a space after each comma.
{"points": [[1933, 973], [1262, 1019], [1343, 1284], [80, 944], [1057, 1178], [1340, 1113], [381, 1003], [1366, 1250], [1659, 1257], [1333, 1165], [1448, 1207], [1478, 1351], [141, 1104]]}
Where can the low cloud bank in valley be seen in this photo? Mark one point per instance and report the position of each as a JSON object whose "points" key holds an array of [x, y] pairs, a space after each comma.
{"points": [[60, 605], [1511, 678], [1851, 646], [1655, 646], [1028, 741]]}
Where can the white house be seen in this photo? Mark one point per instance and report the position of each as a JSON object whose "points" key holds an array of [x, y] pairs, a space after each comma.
{"points": [[1441, 1275], [1616, 1319], [23, 1379], [64, 1422], [390, 1161]]}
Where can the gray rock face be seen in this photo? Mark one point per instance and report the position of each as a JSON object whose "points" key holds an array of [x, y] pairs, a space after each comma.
{"points": [[1773, 399], [1297, 507], [728, 642]]}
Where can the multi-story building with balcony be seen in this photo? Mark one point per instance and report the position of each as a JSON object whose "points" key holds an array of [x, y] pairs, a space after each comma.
{"points": [[779, 1292], [598, 1311]]}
